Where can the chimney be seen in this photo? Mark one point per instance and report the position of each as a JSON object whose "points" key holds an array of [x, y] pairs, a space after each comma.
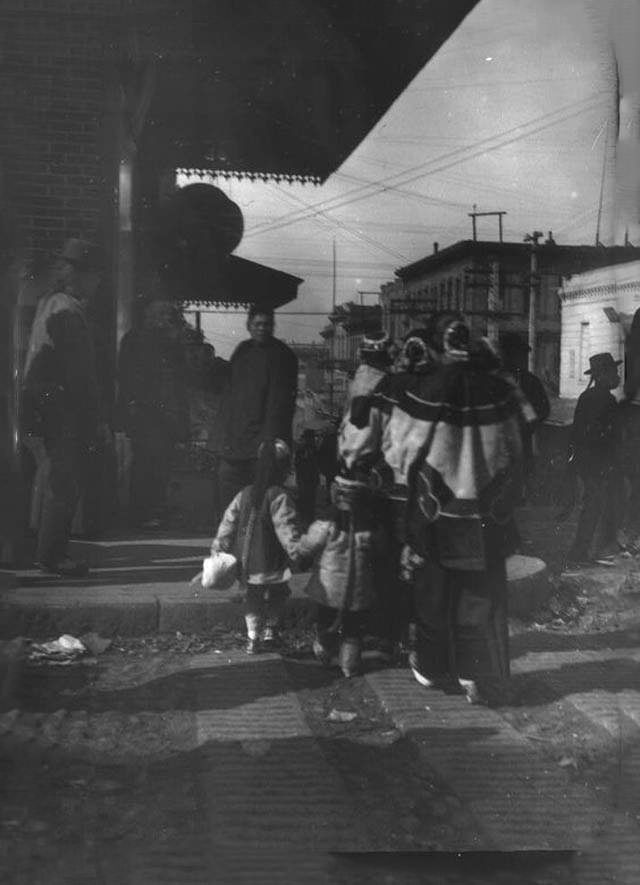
{"points": [[435, 248]]}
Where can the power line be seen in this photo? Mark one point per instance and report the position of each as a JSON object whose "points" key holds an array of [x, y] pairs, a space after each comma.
{"points": [[341, 201], [421, 170]]}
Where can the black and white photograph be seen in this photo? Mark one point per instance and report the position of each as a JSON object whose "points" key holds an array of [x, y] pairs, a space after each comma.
{"points": [[320, 442]]}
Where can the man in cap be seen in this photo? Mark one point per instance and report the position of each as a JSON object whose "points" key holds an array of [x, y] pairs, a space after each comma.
{"points": [[594, 453], [259, 402], [61, 404]]}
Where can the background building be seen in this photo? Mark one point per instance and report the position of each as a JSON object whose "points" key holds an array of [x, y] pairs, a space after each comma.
{"points": [[348, 324], [490, 283], [597, 308]]}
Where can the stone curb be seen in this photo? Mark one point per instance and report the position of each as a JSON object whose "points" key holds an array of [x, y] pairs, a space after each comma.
{"points": [[139, 609], [133, 618]]}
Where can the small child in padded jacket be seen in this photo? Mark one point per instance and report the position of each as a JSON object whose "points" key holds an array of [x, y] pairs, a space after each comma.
{"points": [[260, 527], [350, 550]]}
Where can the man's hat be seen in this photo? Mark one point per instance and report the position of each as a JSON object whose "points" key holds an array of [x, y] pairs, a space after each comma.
{"points": [[82, 254], [375, 342], [601, 362]]}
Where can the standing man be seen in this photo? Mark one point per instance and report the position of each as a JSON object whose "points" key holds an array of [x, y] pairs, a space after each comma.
{"points": [[61, 408], [153, 406], [595, 453], [260, 402]]}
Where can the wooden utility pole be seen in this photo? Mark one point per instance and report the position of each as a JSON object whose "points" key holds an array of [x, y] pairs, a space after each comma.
{"points": [[533, 295], [475, 214], [493, 302], [333, 343]]}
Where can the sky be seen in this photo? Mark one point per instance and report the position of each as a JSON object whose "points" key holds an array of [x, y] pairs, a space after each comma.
{"points": [[514, 113]]}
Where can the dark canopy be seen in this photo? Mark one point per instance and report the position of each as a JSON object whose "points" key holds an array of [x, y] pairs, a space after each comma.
{"points": [[287, 87]]}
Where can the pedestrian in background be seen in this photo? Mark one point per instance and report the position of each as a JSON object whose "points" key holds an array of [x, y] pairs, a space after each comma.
{"points": [[594, 454], [153, 406], [259, 402], [260, 527], [61, 410], [514, 352]]}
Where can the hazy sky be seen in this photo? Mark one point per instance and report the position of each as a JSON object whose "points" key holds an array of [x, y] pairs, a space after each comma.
{"points": [[514, 113]]}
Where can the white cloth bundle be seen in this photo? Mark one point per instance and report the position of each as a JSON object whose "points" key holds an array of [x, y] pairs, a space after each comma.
{"points": [[219, 572]]}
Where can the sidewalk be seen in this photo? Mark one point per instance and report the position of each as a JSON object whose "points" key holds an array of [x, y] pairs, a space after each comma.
{"points": [[142, 585]]}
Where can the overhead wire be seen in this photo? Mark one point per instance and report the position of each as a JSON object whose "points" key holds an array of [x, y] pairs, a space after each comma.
{"points": [[422, 170]]}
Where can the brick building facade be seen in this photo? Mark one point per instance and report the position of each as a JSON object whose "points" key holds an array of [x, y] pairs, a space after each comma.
{"points": [[489, 283]]}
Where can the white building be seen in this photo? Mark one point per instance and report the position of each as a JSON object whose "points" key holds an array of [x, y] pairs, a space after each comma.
{"points": [[597, 308]]}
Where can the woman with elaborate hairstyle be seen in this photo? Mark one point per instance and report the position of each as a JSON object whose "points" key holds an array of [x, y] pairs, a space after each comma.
{"points": [[453, 438]]}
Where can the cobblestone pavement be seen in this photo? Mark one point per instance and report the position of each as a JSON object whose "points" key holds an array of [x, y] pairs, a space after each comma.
{"points": [[189, 762]]}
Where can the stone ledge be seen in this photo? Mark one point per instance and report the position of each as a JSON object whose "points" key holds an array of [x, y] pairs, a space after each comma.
{"points": [[138, 609]]}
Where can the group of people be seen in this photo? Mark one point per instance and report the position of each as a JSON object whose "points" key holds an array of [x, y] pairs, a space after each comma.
{"points": [[432, 462], [432, 456], [170, 388]]}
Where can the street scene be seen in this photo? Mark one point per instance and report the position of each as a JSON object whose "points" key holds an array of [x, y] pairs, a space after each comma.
{"points": [[319, 459]]}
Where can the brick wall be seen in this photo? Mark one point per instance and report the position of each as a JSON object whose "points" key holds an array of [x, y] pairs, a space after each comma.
{"points": [[58, 92], [53, 141]]}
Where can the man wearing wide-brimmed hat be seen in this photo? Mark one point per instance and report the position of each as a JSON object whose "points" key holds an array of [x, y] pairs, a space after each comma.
{"points": [[594, 448], [61, 406]]}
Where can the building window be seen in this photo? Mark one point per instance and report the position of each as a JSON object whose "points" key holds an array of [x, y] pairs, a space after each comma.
{"points": [[458, 301], [572, 364], [449, 293], [441, 302], [585, 347]]}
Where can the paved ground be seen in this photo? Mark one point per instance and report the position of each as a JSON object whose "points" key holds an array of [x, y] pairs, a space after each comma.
{"points": [[158, 762], [173, 757]]}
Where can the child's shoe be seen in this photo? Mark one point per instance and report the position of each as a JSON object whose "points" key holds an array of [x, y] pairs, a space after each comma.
{"points": [[470, 688], [349, 658], [252, 647]]}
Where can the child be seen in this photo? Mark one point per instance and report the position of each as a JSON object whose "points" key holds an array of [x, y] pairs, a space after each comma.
{"points": [[260, 527], [343, 581]]}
